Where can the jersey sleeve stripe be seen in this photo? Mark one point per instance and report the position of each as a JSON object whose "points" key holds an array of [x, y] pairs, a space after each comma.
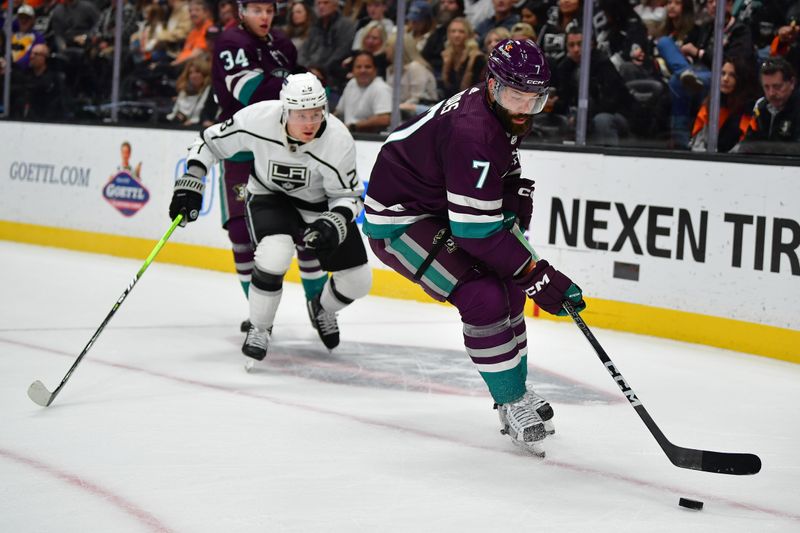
{"points": [[475, 231], [474, 219], [247, 86], [475, 203]]}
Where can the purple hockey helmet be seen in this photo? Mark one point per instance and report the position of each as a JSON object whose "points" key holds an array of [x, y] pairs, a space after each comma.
{"points": [[519, 65]]}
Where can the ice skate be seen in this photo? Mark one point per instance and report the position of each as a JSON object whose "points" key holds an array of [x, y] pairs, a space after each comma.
{"points": [[325, 323], [527, 421], [245, 326], [256, 343]]}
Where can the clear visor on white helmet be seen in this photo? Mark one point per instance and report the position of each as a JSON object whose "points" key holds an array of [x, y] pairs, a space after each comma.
{"points": [[518, 102], [315, 115]]}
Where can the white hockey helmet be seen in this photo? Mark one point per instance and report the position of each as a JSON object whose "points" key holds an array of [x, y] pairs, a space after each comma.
{"points": [[303, 91]]}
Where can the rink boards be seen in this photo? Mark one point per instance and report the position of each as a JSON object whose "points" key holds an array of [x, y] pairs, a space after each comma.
{"points": [[685, 249]]}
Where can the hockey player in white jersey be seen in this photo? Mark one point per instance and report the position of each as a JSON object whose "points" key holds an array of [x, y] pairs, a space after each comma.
{"points": [[303, 189]]}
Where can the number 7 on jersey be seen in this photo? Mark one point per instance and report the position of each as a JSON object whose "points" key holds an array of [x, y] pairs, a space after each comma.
{"points": [[484, 166]]}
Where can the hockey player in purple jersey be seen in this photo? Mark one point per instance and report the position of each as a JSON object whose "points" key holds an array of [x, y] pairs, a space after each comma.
{"points": [[250, 63], [443, 195]]}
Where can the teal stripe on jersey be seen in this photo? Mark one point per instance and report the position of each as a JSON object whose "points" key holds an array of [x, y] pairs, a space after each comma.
{"points": [[431, 274], [249, 88], [242, 157], [475, 230], [508, 385], [383, 231]]}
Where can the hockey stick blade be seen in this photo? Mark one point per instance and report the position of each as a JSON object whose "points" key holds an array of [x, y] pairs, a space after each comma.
{"points": [[737, 464], [39, 393]]}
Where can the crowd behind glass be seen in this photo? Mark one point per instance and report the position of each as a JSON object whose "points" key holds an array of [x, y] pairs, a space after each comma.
{"points": [[650, 64]]}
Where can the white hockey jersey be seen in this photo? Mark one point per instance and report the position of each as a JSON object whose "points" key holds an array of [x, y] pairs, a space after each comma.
{"points": [[322, 170]]}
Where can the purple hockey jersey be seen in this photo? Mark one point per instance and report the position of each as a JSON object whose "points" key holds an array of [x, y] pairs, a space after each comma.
{"points": [[449, 163], [246, 69]]}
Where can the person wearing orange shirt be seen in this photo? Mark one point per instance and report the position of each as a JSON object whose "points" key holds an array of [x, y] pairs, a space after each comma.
{"points": [[195, 43]]}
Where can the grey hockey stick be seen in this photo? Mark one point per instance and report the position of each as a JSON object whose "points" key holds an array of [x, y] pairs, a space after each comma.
{"points": [[718, 462], [37, 391]]}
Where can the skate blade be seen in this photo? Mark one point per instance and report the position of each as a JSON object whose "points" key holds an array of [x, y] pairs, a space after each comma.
{"points": [[534, 449], [249, 365]]}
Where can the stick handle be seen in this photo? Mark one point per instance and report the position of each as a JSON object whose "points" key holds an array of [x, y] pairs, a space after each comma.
{"points": [[116, 306]]}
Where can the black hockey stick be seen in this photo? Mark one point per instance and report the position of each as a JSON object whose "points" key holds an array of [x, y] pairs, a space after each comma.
{"points": [[37, 391], [738, 464]]}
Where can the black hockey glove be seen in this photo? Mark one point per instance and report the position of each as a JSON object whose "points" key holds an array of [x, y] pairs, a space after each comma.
{"points": [[517, 202], [549, 288], [326, 232], [187, 197]]}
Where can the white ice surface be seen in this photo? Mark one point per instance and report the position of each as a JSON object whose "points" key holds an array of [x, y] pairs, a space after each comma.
{"points": [[160, 428]]}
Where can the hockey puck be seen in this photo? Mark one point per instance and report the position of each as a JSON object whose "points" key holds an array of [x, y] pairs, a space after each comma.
{"points": [[691, 504]]}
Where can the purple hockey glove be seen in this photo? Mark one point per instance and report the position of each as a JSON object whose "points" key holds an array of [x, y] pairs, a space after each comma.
{"points": [[518, 199], [549, 288]]}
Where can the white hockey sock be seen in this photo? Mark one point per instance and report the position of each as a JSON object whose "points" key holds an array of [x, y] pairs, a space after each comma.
{"points": [[263, 306]]}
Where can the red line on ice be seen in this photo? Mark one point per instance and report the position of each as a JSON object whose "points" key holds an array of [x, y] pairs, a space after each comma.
{"points": [[130, 508], [377, 423]]}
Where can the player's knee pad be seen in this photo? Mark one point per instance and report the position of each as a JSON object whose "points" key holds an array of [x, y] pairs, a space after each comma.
{"points": [[266, 281], [352, 283], [481, 300], [274, 254]]}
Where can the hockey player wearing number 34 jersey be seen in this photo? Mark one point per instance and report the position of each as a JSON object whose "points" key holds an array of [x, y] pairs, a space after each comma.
{"points": [[443, 195], [303, 189]]}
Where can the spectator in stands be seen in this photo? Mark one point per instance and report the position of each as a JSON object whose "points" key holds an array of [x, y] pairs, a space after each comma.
{"points": [[328, 42], [227, 14], [462, 59], [41, 92], [691, 63], [354, 9], [25, 38], [504, 17], [170, 39], [494, 36], [775, 126], [609, 99], [417, 84], [374, 42], [301, 17], [100, 52], [195, 44], [786, 42], [534, 12], [553, 35], [143, 42], [193, 86], [738, 93], [654, 15], [366, 103], [477, 10], [624, 39], [764, 18], [521, 31], [434, 46], [420, 22], [71, 23], [376, 11]]}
